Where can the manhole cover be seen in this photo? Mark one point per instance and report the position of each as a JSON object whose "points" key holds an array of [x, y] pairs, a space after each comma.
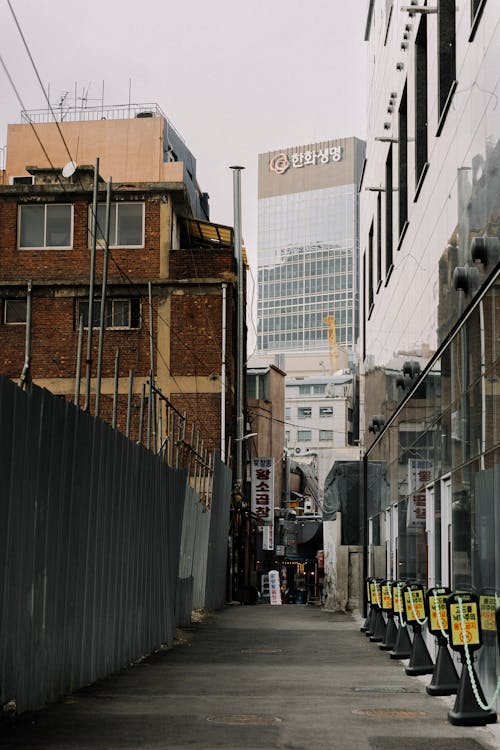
{"points": [[388, 713], [261, 651], [253, 720]]}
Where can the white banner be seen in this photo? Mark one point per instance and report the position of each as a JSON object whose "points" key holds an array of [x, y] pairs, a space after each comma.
{"points": [[274, 587]]}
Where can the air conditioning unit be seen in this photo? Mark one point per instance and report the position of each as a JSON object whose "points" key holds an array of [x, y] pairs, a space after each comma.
{"points": [[308, 506]]}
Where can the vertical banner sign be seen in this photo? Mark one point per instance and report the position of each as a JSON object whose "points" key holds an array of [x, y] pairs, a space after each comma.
{"points": [[274, 587], [413, 598], [262, 476], [487, 607], [436, 607], [387, 596], [419, 474], [397, 597]]}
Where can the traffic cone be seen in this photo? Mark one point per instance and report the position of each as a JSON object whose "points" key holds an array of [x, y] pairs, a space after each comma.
{"points": [[420, 659], [402, 647], [380, 627], [445, 676], [391, 634], [371, 624], [364, 626], [466, 712]]}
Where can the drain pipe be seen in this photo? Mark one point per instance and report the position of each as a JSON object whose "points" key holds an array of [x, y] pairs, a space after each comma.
{"points": [[223, 378], [25, 378]]}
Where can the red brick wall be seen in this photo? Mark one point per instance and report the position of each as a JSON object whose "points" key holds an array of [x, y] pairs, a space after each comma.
{"points": [[209, 263]]}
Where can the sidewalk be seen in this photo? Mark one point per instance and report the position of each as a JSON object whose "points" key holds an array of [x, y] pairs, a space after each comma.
{"points": [[290, 677]]}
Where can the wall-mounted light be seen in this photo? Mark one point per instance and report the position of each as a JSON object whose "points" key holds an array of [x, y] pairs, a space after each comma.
{"points": [[412, 9], [386, 139], [485, 250], [465, 279], [387, 125], [404, 46], [400, 66]]}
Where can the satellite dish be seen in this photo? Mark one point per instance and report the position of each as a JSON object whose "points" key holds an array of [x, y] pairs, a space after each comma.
{"points": [[69, 169]]}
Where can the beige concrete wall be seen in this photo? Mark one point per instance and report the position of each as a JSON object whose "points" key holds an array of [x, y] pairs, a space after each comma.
{"points": [[129, 150]]}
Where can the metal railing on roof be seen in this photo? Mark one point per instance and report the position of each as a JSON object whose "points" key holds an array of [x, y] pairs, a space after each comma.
{"points": [[96, 112]]}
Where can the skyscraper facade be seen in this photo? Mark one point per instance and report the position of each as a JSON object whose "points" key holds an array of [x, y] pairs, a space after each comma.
{"points": [[308, 247]]}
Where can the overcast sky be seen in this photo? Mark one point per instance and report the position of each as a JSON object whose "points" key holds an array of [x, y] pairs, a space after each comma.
{"points": [[235, 77]]}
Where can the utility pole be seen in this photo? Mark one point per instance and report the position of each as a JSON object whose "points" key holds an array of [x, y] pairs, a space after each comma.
{"points": [[238, 482]]}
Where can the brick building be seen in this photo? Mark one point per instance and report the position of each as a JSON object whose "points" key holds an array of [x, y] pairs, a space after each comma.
{"points": [[167, 265]]}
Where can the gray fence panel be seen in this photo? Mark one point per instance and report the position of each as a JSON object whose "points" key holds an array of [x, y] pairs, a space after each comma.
{"points": [[218, 538], [185, 580], [89, 547]]}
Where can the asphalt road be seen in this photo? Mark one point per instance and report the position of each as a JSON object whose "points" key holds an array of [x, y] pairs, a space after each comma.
{"points": [[255, 677]]}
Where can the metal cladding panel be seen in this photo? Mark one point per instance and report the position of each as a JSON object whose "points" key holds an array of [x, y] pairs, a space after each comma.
{"points": [[89, 547], [218, 538]]}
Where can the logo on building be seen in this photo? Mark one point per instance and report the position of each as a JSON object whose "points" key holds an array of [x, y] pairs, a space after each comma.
{"points": [[281, 163]]}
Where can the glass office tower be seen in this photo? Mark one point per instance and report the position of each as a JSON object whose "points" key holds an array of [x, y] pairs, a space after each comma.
{"points": [[308, 247]]}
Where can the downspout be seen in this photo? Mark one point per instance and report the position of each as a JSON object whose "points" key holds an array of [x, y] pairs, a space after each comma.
{"points": [[223, 378], [239, 344], [483, 383], [25, 378]]}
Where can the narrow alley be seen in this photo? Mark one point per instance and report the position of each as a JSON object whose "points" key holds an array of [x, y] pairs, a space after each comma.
{"points": [[293, 677]]}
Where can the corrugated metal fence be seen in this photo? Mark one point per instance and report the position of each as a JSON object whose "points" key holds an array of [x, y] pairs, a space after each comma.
{"points": [[90, 542]]}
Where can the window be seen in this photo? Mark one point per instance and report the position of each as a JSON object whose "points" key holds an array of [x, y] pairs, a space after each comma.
{"points": [[14, 311], [303, 412], [304, 436], [446, 57], [120, 313], [287, 436], [304, 389], [476, 7], [326, 411], [403, 163], [126, 224], [47, 225], [319, 389], [421, 100], [379, 240], [288, 412], [388, 213], [326, 435], [370, 268]]}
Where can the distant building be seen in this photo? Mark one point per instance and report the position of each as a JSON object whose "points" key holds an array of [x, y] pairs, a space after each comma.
{"points": [[308, 243], [171, 289]]}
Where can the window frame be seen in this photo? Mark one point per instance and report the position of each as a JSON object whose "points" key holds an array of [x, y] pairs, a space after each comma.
{"points": [[325, 415], [6, 301], [100, 242], [109, 301], [20, 207], [301, 409], [304, 439], [322, 437]]}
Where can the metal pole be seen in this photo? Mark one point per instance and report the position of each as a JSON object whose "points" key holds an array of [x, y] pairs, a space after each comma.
{"points": [[223, 378], [191, 449], [150, 400], [152, 360], [141, 413], [78, 373], [25, 373], [102, 320], [129, 402], [88, 361], [160, 426], [115, 390], [239, 344]]}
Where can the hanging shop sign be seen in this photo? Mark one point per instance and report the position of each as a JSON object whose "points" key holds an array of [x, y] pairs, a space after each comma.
{"points": [[282, 162], [464, 626], [436, 610], [419, 474], [262, 498]]}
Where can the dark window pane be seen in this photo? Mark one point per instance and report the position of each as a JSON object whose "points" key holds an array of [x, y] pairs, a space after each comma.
{"points": [[130, 230], [58, 229], [32, 226]]}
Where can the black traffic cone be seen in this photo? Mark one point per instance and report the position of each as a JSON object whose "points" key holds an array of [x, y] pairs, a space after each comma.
{"points": [[391, 634], [371, 624], [379, 629], [420, 658], [466, 712], [402, 647], [445, 676], [364, 626]]}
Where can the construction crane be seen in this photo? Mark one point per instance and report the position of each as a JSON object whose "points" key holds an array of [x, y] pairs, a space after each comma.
{"points": [[329, 321]]}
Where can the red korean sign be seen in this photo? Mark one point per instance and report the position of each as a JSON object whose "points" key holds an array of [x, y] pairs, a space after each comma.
{"points": [[262, 476]]}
